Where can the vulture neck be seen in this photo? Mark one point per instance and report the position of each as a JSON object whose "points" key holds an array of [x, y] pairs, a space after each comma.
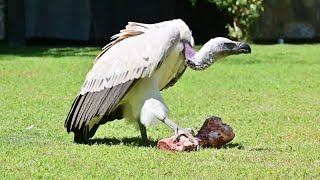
{"points": [[200, 60]]}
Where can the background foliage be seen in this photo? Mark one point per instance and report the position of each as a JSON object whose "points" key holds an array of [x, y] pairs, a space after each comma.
{"points": [[243, 13]]}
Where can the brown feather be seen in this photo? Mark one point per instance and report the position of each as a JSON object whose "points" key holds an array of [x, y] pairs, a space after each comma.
{"points": [[129, 31]]}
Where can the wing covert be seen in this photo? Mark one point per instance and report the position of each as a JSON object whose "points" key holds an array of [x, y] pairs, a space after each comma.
{"points": [[116, 70], [133, 58]]}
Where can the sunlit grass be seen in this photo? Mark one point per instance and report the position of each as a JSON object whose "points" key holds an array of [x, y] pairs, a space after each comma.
{"points": [[271, 98]]}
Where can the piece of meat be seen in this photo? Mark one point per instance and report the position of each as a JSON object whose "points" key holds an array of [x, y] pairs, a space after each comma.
{"points": [[214, 133], [177, 143]]}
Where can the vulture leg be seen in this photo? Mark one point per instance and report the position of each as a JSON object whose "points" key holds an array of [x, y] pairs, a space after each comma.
{"points": [[93, 130], [178, 131], [144, 135], [153, 110]]}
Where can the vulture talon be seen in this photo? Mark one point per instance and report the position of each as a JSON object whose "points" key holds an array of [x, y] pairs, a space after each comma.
{"points": [[187, 133], [178, 136]]}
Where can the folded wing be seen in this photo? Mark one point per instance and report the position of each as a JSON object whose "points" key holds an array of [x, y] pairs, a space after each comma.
{"points": [[117, 69]]}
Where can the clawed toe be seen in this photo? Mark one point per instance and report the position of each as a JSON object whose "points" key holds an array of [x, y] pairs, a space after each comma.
{"points": [[188, 135], [187, 132]]}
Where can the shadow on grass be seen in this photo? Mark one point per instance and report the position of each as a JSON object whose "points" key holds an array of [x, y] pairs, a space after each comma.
{"points": [[135, 141], [241, 147], [51, 51], [261, 149], [233, 146]]}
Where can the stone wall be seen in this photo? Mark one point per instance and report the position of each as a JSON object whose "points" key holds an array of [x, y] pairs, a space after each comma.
{"points": [[294, 19], [2, 19]]}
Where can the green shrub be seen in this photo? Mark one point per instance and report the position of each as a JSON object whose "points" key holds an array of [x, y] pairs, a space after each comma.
{"points": [[243, 13]]}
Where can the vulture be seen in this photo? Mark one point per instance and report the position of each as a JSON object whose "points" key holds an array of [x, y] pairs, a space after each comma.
{"points": [[128, 75]]}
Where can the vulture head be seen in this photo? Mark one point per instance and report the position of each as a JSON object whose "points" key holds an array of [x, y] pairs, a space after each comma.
{"points": [[221, 47], [215, 49]]}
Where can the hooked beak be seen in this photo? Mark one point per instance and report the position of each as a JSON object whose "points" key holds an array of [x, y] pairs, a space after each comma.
{"points": [[244, 48]]}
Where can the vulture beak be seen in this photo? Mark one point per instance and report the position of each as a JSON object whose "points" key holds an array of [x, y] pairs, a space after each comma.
{"points": [[244, 48]]}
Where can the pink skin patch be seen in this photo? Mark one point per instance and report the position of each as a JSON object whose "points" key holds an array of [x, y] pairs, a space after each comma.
{"points": [[188, 51]]}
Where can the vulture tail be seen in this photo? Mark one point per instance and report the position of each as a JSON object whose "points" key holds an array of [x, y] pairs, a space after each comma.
{"points": [[103, 103]]}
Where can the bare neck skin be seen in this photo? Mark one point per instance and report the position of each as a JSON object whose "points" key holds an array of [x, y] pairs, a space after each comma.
{"points": [[200, 60]]}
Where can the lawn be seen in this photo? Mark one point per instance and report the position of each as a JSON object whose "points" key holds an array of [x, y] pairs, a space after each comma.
{"points": [[271, 98]]}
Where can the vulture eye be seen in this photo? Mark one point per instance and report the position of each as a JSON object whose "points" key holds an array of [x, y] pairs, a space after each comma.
{"points": [[229, 45]]}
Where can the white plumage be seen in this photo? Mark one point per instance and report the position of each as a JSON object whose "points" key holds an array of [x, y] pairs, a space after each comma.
{"points": [[128, 75]]}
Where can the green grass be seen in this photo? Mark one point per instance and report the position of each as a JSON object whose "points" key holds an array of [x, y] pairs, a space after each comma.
{"points": [[271, 98]]}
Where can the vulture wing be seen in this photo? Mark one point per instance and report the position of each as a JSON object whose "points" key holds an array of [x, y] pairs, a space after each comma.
{"points": [[133, 55]]}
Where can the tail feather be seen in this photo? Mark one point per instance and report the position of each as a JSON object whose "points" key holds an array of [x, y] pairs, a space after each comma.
{"points": [[94, 104], [68, 122]]}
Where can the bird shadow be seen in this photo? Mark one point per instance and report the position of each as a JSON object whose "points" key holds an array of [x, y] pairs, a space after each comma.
{"points": [[226, 146], [233, 146], [241, 147], [134, 141]]}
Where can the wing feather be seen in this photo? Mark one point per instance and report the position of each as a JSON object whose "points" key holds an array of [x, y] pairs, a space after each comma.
{"points": [[116, 70], [175, 79]]}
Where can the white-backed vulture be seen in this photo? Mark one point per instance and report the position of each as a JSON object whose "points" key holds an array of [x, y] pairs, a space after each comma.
{"points": [[128, 75]]}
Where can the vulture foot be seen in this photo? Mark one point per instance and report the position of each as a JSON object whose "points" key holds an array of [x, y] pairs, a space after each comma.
{"points": [[183, 141], [186, 133]]}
